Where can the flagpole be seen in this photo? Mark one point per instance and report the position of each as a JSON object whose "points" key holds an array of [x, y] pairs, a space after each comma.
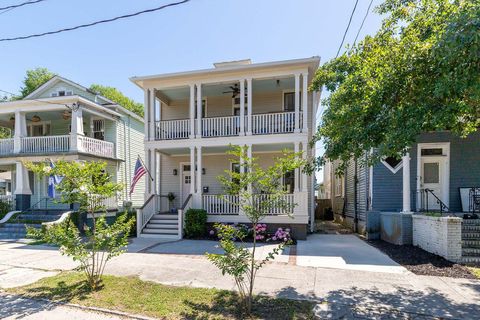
{"points": [[146, 169]]}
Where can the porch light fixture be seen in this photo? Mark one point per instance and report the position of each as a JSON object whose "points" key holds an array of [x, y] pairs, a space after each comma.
{"points": [[175, 172], [36, 118], [203, 171], [67, 114]]}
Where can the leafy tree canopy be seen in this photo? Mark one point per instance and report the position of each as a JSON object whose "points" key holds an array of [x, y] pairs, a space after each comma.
{"points": [[34, 79], [116, 96], [419, 73]]}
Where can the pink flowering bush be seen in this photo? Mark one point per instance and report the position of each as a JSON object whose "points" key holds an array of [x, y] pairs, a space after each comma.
{"points": [[261, 231]]}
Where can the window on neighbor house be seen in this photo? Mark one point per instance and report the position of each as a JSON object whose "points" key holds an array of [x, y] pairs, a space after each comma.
{"points": [[392, 163], [338, 186], [289, 101], [289, 181], [99, 129], [62, 93], [38, 130]]}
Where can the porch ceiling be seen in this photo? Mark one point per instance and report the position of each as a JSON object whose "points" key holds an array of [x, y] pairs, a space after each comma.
{"points": [[259, 85]]}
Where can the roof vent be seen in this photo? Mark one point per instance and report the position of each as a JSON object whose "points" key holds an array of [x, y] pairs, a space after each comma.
{"points": [[227, 64]]}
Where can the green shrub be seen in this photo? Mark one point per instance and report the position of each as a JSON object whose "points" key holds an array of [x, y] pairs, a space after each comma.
{"points": [[195, 223], [5, 208]]}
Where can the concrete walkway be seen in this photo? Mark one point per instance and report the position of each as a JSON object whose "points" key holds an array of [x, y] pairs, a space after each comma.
{"points": [[354, 282]]}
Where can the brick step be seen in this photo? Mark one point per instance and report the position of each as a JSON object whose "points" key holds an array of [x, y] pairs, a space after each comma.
{"points": [[471, 222], [12, 235], [471, 227], [471, 243], [19, 225], [38, 217], [471, 260], [473, 252], [471, 235]]}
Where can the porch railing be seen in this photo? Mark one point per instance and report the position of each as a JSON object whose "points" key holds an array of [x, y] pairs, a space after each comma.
{"points": [[271, 123], [6, 146], [45, 144], [96, 147], [172, 129], [220, 204], [276, 206], [146, 212], [221, 126]]}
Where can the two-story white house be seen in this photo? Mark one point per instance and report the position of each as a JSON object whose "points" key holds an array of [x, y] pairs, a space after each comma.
{"points": [[192, 118], [64, 120]]}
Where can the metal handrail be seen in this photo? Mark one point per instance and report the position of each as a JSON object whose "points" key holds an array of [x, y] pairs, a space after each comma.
{"points": [[185, 203], [443, 206]]}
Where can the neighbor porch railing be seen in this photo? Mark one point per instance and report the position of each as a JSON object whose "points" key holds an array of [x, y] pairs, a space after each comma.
{"points": [[7, 146], [96, 147], [45, 144]]}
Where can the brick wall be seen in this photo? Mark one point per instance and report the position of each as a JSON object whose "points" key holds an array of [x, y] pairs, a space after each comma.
{"points": [[441, 236]]}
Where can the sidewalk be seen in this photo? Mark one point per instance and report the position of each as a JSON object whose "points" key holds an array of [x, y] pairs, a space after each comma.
{"points": [[355, 289]]}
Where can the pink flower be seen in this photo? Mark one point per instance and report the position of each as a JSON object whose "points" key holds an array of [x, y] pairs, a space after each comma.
{"points": [[274, 238]]}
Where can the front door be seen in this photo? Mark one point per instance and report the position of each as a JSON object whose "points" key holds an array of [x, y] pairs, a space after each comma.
{"points": [[186, 182], [432, 178]]}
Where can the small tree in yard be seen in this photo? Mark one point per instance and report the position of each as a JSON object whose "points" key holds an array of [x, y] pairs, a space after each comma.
{"points": [[87, 184], [259, 190]]}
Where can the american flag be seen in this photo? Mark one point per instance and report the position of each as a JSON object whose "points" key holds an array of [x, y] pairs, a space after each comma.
{"points": [[137, 174]]}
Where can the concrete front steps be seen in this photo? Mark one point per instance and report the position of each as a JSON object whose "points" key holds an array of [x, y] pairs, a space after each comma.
{"points": [[162, 225], [471, 241], [15, 228]]}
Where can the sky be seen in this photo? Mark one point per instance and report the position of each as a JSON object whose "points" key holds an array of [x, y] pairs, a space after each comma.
{"points": [[186, 37]]}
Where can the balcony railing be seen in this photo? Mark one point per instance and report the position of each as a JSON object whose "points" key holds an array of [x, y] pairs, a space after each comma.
{"points": [[56, 144], [221, 126], [266, 123]]}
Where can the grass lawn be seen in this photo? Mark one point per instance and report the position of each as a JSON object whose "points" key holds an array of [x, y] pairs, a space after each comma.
{"points": [[132, 295], [475, 271]]}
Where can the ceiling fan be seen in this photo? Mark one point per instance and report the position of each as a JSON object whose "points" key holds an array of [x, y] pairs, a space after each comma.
{"points": [[235, 90]]}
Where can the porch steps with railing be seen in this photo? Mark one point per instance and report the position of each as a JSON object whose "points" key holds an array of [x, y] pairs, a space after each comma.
{"points": [[16, 227], [162, 225], [471, 241]]}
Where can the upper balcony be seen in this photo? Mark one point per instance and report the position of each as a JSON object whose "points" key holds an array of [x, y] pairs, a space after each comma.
{"points": [[56, 132], [232, 99]]}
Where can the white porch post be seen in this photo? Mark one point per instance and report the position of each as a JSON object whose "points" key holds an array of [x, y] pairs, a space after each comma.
{"points": [[192, 170], [297, 103], [199, 171], [242, 107], [305, 102], [296, 180], [20, 130], [152, 114], [192, 111], [154, 171], [249, 106], [148, 164], [146, 116], [76, 130], [406, 183], [199, 110], [304, 175], [22, 184]]}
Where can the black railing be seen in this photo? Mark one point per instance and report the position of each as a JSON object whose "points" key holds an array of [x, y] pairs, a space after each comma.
{"points": [[425, 195], [474, 200]]}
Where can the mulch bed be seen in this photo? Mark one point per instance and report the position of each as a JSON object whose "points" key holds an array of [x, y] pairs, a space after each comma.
{"points": [[422, 262]]}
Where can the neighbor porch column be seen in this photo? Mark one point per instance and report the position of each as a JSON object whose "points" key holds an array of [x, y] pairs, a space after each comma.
{"points": [[192, 111], [22, 187], [305, 102], [20, 130], [249, 106], [152, 114], [199, 171], [296, 180], [199, 110], [76, 130], [406, 183], [192, 170], [297, 102], [242, 107]]}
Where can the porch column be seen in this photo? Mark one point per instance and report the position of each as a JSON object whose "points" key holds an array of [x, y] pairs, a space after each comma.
{"points": [[249, 106], [297, 102], [22, 187], [192, 170], [20, 130], [192, 111], [199, 171], [146, 116], [76, 130], [305, 102], [406, 183], [199, 110], [152, 114], [242, 107], [296, 180], [154, 171], [304, 175]]}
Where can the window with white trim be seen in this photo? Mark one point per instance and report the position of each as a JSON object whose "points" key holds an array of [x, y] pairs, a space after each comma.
{"points": [[62, 93], [99, 129], [393, 164]]}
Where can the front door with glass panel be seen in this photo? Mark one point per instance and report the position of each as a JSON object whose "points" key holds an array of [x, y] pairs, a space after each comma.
{"points": [[186, 181], [433, 176]]}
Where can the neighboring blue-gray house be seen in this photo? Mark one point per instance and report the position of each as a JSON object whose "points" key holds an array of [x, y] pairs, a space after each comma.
{"points": [[438, 174]]}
